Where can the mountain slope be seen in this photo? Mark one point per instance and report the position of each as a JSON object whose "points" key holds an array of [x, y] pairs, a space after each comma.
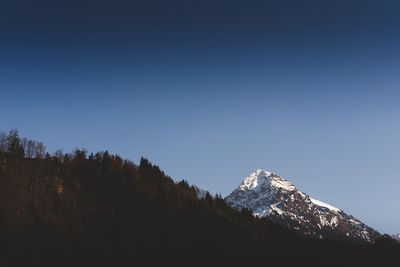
{"points": [[268, 195], [396, 237]]}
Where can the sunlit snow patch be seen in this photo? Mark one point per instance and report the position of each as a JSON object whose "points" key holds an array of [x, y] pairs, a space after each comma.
{"points": [[323, 204]]}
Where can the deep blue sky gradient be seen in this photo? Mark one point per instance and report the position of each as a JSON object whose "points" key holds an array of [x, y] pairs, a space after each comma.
{"points": [[211, 90]]}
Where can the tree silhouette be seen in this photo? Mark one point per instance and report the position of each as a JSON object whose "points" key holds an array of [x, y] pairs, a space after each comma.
{"points": [[100, 210]]}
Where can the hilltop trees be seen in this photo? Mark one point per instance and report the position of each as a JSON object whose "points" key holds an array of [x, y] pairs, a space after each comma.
{"points": [[13, 145], [98, 209]]}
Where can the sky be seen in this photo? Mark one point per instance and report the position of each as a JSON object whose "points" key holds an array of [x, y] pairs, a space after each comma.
{"points": [[212, 90]]}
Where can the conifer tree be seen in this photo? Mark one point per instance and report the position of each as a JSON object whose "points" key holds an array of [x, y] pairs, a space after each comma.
{"points": [[15, 147]]}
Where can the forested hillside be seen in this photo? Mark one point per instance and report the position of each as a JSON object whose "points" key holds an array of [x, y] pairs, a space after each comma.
{"points": [[83, 209]]}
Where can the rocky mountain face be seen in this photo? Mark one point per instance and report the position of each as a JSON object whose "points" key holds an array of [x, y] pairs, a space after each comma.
{"points": [[267, 194]]}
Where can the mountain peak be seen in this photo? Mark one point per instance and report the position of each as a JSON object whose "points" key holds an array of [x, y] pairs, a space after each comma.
{"points": [[261, 172], [267, 194], [396, 237], [261, 178]]}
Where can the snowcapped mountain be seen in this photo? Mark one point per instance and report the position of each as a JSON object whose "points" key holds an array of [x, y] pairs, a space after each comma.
{"points": [[396, 237], [267, 194]]}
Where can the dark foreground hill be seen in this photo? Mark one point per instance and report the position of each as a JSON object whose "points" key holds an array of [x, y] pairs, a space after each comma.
{"points": [[101, 210]]}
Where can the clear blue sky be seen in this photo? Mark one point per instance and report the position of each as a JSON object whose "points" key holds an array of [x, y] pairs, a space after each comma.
{"points": [[211, 91]]}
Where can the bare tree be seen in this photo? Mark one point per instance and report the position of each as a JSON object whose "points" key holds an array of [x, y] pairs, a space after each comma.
{"points": [[59, 155], [29, 147], [40, 150]]}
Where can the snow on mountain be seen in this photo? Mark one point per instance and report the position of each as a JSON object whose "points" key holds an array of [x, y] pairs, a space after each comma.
{"points": [[396, 237], [259, 178], [322, 204], [267, 194]]}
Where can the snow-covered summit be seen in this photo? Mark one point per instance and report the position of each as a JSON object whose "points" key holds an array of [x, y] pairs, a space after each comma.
{"points": [[396, 237], [258, 179], [267, 194]]}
